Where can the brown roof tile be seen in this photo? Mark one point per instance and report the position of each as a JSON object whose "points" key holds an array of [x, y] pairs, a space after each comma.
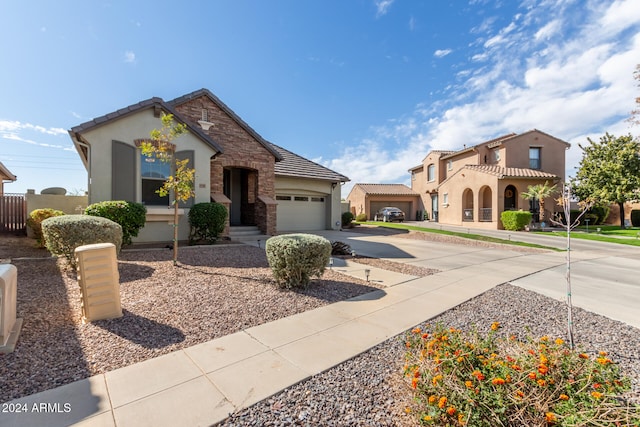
{"points": [[387, 189], [297, 166], [502, 172]]}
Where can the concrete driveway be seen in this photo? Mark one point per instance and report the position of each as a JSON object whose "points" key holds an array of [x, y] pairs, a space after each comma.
{"points": [[605, 277]]}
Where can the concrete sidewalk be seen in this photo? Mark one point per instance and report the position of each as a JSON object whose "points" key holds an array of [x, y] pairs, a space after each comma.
{"points": [[203, 384]]}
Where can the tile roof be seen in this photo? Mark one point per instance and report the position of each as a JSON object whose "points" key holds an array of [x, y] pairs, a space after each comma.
{"points": [[297, 166], [502, 172], [387, 189]]}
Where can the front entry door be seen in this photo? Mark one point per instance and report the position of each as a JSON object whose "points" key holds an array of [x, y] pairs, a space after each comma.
{"points": [[510, 198], [434, 207]]}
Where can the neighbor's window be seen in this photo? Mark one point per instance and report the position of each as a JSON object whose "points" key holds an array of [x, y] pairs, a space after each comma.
{"points": [[496, 155], [534, 158], [431, 173], [450, 165], [153, 173], [445, 199]]}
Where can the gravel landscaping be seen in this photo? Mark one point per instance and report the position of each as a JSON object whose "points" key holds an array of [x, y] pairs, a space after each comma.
{"points": [[367, 391], [223, 289], [214, 291]]}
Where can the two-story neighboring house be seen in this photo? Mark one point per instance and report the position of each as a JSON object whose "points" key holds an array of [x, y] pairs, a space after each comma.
{"points": [[473, 186]]}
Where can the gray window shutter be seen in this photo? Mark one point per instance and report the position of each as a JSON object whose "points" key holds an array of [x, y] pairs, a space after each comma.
{"points": [[181, 155], [123, 171]]}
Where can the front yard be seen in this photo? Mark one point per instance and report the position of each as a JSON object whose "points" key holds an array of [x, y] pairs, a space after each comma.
{"points": [[214, 291]]}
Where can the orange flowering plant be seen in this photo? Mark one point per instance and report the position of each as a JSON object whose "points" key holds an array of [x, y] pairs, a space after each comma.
{"points": [[471, 379]]}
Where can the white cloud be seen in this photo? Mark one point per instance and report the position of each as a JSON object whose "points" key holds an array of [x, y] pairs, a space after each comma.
{"points": [[15, 126], [549, 30], [382, 7], [520, 78], [441, 53], [129, 57], [13, 130]]}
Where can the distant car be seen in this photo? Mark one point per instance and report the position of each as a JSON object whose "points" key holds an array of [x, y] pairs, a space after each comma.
{"points": [[389, 214]]}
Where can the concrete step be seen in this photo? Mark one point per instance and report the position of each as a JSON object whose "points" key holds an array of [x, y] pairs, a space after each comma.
{"points": [[247, 234]]}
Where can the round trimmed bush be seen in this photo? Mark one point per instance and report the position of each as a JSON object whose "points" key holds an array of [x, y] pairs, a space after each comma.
{"points": [[362, 217], [515, 220], [130, 215], [63, 234], [347, 218], [207, 221], [35, 222], [295, 258]]}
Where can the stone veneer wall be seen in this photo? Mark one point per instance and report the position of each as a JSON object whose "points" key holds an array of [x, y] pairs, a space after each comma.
{"points": [[240, 150]]}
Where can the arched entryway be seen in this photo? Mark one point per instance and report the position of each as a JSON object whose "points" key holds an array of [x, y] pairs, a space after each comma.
{"points": [[240, 186], [510, 198], [485, 213], [467, 205]]}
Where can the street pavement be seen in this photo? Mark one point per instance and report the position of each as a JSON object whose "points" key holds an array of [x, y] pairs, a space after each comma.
{"points": [[605, 277]]}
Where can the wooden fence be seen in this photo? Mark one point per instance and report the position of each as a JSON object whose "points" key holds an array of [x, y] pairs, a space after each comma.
{"points": [[13, 213]]}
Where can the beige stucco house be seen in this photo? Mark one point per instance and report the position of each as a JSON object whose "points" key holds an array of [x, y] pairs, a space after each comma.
{"points": [[369, 198], [261, 184], [473, 186], [5, 176]]}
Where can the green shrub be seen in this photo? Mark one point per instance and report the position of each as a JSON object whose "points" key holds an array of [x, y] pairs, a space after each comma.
{"points": [[130, 215], [362, 217], [635, 217], [63, 234], [295, 258], [207, 221], [515, 220], [469, 379], [602, 213], [35, 222], [347, 218]]}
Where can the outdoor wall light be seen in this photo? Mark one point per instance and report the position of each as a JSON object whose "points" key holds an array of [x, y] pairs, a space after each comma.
{"points": [[331, 263], [353, 254], [366, 273]]}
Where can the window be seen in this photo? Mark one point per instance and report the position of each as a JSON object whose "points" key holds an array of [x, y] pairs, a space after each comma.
{"points": [[534, 158], [413, 175], [445, 199], [153, 172], [496, 155], [283, 197], [450, 165], [317, 199], [431, 173], [301, 199], [205, 115]]}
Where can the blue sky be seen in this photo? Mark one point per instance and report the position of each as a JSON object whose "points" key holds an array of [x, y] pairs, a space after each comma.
{"points": [[365, 87]]}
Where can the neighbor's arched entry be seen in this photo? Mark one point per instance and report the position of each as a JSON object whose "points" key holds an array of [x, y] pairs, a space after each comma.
{"points": [[510, 198], [485, 213], [467, 205]]}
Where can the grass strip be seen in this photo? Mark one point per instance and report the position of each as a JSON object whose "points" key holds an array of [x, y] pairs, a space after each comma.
{"points": [[599, 238], [470, 236]]}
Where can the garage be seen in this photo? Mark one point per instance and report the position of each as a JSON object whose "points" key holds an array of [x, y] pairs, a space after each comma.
{"points": [[301, 212], [405, 207]]}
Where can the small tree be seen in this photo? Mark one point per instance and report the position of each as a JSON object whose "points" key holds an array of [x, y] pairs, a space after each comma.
{"points": [[180, 184], [539, 192], [565, 202], [609, 171]]}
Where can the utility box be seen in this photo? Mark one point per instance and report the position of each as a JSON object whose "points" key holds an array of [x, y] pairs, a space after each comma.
{"points": [[9, 325], [99, 281]]}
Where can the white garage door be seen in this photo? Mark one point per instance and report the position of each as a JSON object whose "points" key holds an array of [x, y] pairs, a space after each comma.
{"points": [[298, 213]]}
